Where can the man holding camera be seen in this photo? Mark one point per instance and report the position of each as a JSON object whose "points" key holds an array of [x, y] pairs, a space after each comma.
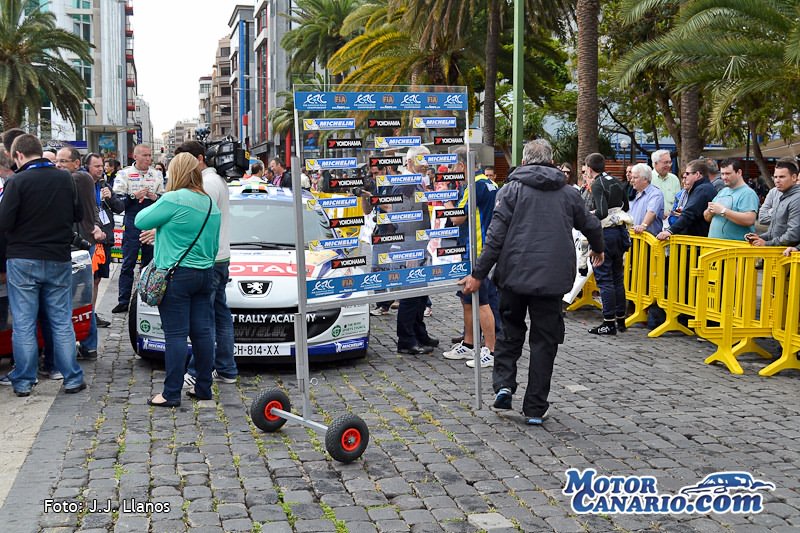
{"points": [[138, 186], [36, 214]]}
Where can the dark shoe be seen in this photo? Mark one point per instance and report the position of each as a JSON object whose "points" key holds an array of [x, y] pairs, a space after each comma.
{"points": [[22, 393], [458, 339], [502, 401], [86, 355], [621, 327], [191, 394], [101, 323], [430, 341], [165, 403], [606, 328], [417, 349], [75, 389], [120, 308], [537, 420]]}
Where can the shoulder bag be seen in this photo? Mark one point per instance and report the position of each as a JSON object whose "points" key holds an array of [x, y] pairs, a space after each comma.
{"points": [[153, 281]]}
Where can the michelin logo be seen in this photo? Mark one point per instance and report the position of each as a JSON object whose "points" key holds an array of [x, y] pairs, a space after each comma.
{"points": [[437, 159], [400, 257], [335, 203], [335, 244], [399, 179], [718, 493], [390, 142], [399, 217], [434, 122], [322, 164], [347, 346], [365, 99], [314, 124], [443, 233], [436, 196]]}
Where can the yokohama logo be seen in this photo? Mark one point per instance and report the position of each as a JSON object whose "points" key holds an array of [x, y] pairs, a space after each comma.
{"points": [[383, 123], [349, 262], [380, 161]]}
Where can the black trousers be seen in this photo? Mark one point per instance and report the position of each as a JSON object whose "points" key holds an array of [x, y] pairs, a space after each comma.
{"points": [[411, 329], [547, 332]]}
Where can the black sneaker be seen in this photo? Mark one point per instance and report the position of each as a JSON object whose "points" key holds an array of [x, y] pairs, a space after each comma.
{"points": [[101, 322], [86, 355], [606, 328], [621, 327], [120, 308], [502, 401]]}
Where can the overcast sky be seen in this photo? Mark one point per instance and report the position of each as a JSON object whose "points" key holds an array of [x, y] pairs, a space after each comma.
{"points": [[175, 42]]}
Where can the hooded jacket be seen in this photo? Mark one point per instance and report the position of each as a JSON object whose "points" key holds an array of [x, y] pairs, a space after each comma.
{"points": [[691, 221], [784, 228], [530, 237]]}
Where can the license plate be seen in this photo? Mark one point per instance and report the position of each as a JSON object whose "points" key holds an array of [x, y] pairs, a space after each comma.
{"points": [[256, 350]]}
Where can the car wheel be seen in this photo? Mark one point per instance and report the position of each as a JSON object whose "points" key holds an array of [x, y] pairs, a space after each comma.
{"points": [[347, 438], [261, 410], [133, 332]]}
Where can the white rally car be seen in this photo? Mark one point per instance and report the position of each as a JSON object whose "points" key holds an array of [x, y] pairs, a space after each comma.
{"points": [[262, 286]]}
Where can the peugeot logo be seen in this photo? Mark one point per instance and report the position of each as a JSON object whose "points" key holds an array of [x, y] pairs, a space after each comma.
{"points": [[255, 288]]}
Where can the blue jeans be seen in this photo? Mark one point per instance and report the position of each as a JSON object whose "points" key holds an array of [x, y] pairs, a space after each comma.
{"points": [[222, 330], [610, 276], [28, 281], [185, 312], [130, 249]]}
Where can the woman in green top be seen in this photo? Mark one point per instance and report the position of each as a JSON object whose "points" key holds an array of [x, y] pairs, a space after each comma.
{"points": [[185, 310]]}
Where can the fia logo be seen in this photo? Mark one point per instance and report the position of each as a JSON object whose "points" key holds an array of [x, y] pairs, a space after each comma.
{"points": [[347, 283], [315, 99], [365, 99]]}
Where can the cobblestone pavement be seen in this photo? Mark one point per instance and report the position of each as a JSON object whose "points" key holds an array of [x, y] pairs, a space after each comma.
{"points": [[624, 405]]}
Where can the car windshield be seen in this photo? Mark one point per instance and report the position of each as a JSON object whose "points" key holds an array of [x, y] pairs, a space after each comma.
{"points": [[256, 222]]}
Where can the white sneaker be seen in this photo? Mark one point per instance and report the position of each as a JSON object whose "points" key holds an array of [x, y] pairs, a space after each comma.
{"points": [[428, 312], [222, 379], [459, 351], [487, 359], [189, 380]]}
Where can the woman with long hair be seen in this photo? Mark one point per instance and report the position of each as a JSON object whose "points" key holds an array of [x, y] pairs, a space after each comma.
{"points": [[183, 213]]}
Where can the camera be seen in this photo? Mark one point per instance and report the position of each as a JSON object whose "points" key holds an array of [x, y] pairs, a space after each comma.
{"points": [[79, 242], [226, 155]]}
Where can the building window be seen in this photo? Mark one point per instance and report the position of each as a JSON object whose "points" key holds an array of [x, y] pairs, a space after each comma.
{"points": [[82, 27], [225, 71], [85, 72], [225, 52], [82, 4], [225, 90]]}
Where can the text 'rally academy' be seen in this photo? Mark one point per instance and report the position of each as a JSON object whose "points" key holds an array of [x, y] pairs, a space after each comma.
{"points": [[719, 493]]}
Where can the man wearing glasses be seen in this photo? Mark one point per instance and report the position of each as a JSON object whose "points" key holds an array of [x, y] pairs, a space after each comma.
{"points": [[700, 193]]}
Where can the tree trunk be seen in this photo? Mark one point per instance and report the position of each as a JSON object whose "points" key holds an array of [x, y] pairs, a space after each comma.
{"points": [[758, 155], [587, 13], [691, 145], [490, 72], [669, 119]]}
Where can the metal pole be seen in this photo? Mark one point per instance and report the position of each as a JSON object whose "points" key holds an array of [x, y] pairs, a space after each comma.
{"points": [[519, 56], [473, 257], [300, 331]]}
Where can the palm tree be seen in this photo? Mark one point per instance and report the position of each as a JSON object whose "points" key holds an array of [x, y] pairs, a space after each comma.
{"points": [[316, 36], [587, 15], [33, 68]]}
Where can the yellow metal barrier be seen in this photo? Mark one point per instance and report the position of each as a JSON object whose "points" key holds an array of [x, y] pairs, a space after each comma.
{"points": [[641, 275], [681, 295], [728, 297], [586, 297], [786, 314]]}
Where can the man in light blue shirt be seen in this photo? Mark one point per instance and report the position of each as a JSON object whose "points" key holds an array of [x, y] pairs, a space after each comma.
{"points": [[647, 208], [733, 211]]}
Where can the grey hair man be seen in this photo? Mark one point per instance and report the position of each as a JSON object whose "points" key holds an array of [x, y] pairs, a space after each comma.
{"points": [[647, 207], [530, 242], [665, 180], [714, 175]]}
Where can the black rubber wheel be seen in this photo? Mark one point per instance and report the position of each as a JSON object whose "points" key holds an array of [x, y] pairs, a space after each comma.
{"points": [[261, 410], [133, 332], [347, 438]]}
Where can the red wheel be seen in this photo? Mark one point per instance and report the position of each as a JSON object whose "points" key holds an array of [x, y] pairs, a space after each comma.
{"points": [[261, 410], [347, 438]]}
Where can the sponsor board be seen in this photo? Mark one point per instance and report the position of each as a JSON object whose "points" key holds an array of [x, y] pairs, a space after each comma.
{"points": [[452, 250], [447, 213], [416, 275], [446, 141], [378, 101], [348, 346], [331, 163], [436, 196], [433, 122], [338, 183], [392, 142], [387, 239], [717, 493], [399, 218], [373, 162], [450, 176], [399, 179], [349, 262], [401, 257], [383, 122], [346, 222], [317, 124], [335, 203], [386, 199], [442, 233], [333, 244], [437, 159], [345, 143]]}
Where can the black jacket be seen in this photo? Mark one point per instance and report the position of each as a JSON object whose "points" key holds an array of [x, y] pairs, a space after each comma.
{"points": [[530, 236], [37, 212], [691, 221]]}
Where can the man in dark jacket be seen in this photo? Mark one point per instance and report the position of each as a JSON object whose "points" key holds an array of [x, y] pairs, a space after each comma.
{"points": [[530, 241], [691, 221]]}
